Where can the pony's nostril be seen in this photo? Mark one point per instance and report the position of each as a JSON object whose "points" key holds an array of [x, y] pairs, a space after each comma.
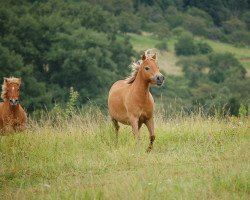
{"points": [[158, 78], [163, 78]]}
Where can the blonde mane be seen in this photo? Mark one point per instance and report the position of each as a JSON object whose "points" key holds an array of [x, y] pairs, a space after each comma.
{"points": [[4, 86], [135, 66]]}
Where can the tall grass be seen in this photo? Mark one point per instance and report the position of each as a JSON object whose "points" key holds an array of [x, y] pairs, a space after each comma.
{"points": [[77, 157]]}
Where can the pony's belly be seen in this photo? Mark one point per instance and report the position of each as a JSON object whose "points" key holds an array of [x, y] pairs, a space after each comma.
{"points": [[120, 116]]}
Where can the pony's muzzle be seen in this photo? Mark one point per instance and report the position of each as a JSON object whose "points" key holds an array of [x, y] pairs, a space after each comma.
{"points": [[159, 78], [13, 102]]}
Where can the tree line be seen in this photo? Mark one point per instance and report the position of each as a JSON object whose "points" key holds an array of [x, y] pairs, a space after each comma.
{"points": [[56, 45]]}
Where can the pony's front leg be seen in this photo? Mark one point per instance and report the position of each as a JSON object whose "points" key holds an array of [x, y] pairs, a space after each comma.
{"points": [[135, 127], [150, 126], [7, 129], [20, 128]]}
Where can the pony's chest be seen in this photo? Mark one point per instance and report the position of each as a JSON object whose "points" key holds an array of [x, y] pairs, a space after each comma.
{"points": [[12, 118]]}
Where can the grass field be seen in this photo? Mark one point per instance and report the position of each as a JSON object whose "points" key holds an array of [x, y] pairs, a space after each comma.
{"points": [[193, 158], [168, 59]]}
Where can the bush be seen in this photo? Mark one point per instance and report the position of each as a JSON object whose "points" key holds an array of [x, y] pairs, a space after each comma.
{"points": [[203, 48], [246, 19], [240, 37], [233, 24], [196, 12], [194, 68], [225, 66], [216, 34], [185, 45], [174, 17], [129, 23], [196, 25], [161, 30], [178, 31], [161, 46]]}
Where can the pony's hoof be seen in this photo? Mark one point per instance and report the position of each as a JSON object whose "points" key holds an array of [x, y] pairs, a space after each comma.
{"points": [[149, 149]]}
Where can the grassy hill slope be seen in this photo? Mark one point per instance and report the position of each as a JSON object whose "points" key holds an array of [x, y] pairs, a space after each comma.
{"points": [[168, 59]]}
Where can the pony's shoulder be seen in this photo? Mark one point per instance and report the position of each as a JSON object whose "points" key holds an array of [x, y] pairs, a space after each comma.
{"points": [[119, 85]]}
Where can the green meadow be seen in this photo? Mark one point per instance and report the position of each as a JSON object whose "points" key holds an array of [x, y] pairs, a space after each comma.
{"points": [[194, 157]]}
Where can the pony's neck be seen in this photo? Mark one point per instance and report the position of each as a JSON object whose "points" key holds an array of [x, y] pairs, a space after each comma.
{"points": [[140, 86]]}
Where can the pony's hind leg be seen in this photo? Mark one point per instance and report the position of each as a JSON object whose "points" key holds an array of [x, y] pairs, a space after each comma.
{"points": [[150, 126], [117, 127]]}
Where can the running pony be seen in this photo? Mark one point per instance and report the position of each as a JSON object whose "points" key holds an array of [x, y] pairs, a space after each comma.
{"points": [[12, 115], [130, 101]]}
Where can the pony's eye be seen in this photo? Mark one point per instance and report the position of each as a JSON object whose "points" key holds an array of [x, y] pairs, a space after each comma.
{"points": [[147, 68]]}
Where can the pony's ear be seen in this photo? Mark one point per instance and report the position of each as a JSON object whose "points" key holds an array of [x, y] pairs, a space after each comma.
{"points": [[154, 56], [5, 79], [19, 81], [143, 57]]}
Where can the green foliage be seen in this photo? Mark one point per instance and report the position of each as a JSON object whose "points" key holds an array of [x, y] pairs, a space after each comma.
{"points": [[161, 46], [242, 111], [129, 23], [225, 66], [178, 31], [240, 38], [194, 68], [174, 17], [185, 45], [246, 19], [214, 82], [55, 45], [203, 48], [72, 103], [233, 24], [60, 111]]}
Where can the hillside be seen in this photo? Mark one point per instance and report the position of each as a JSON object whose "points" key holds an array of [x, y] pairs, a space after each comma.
{"points": [[57, 45], [167, 59]]}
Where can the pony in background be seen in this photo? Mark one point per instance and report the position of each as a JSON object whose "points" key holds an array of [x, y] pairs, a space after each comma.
{"points": [[12, 116], [130, 101]]}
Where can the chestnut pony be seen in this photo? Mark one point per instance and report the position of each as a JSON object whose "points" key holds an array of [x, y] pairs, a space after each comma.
{"points": [[130, 101], [12, 115]]}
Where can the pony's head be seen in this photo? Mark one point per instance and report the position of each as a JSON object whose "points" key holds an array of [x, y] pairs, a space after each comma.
{"points": [[148, 69], [10, 90]]}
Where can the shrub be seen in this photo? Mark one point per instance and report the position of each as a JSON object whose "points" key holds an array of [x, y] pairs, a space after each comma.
{"points": [[194, 68], [216, 34], [240, 37], [178, 31], [204, 48], [246, 19], [161, 46], [233, 24], [185, 45], [225, 66], [129, 23], [196, 25], [161, 30]]}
